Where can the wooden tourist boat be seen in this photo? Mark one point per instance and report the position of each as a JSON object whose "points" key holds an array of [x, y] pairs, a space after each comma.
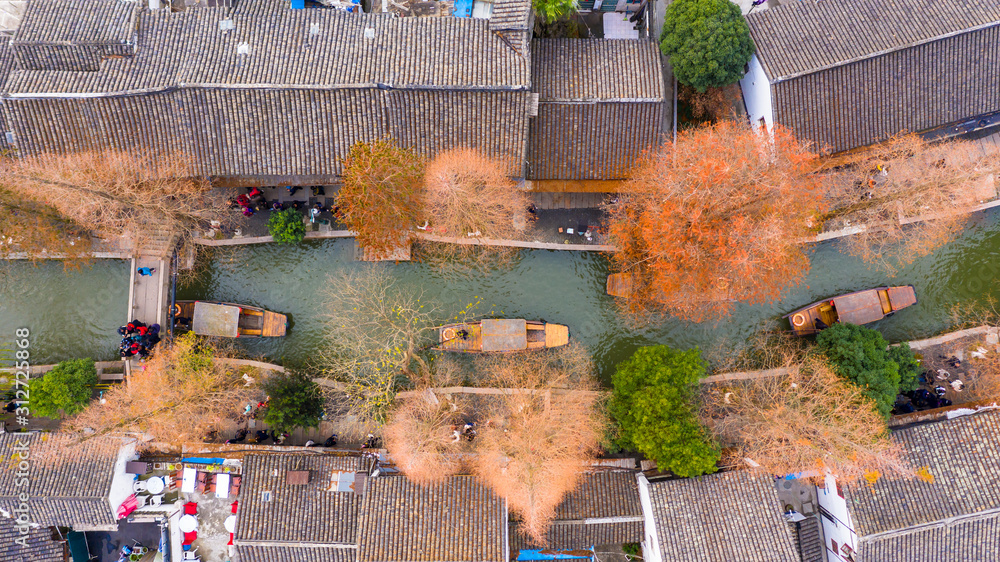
{"points": [[500, 335], [859, 307], [228, 320]]}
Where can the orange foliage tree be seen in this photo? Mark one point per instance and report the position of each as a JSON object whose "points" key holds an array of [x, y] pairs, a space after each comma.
{"points": [[719, 217], [380, 199]]}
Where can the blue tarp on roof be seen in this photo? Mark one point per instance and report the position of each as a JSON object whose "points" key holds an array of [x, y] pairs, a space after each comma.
{"points": [[463, 8], [549, 554], [203, 460]]}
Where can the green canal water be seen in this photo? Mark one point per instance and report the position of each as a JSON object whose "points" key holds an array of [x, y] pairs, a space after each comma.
{"points": [[76, 313]]}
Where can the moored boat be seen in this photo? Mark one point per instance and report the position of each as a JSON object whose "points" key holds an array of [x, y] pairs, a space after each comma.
{"points": [[228, 320], [500, 335], [859, 307]]}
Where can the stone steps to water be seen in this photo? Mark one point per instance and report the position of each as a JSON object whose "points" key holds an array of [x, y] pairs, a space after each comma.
{"points": [[810, 540], [158, 244]]}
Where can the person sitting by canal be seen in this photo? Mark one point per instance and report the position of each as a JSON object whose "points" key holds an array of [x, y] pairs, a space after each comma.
{"points": [[144, 271], [242, 200], [820, 325], [277, 205], [248, 211], [254, 193]]}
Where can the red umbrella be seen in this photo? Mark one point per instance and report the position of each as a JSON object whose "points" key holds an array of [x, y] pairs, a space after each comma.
{"points": [[128, 506]]}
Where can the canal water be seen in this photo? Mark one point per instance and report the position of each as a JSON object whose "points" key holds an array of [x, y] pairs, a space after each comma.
{"points": [[76, 313]]}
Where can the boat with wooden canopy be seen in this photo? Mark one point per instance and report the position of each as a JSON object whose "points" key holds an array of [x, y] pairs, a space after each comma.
{"points": [[500, 335], [228, 320], [859, 307]]}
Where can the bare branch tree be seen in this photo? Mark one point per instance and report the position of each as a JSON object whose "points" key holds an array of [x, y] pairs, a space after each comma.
{"points": [[421, 436], [377, 330], [468, 194], [40, 232], [910, 196], [533, 446], [809, 420], [114, 193], [180, 395]]}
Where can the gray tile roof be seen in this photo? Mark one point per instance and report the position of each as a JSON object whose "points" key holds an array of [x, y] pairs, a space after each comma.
{"points": [[296, 103], [963, 456], [848, 74], [921, 88], [73, 34], [319, 48], [513, 20], [296, 513], [600, 105], [596, 70], [966, 540], [458, 520], [71, 488], [603, 509], [313, 553], [721, 518], [806, 36], [255, 132], [40, 546], [590, 141]]}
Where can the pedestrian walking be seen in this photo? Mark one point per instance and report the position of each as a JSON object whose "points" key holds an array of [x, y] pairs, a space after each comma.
{"points": [[144, 271]]}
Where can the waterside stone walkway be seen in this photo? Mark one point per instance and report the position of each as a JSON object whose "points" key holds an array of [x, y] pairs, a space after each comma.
{"points": [[148, 297]]}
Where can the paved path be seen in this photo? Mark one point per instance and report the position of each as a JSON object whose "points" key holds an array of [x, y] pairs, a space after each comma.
{"points": [[555, 200], [990, 143], [148, 296]]}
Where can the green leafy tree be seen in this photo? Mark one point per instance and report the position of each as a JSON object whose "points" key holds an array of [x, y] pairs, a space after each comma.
{"points": [[708, 42], [861, 355], [551, 10], [909, 366], [63, 391], [294, 401], [286, 226], [653, 402]]}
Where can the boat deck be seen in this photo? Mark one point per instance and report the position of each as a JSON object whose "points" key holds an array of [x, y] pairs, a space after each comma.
{"points": [[501, 335], [274, 324], [451, 342], [859, 307]]}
